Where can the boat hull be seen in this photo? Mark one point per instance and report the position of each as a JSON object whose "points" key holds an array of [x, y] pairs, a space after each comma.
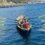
{"points": [[23, 31]]}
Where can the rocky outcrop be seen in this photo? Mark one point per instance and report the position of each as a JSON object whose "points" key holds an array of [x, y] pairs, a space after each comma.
{"points": [[11, 3]]}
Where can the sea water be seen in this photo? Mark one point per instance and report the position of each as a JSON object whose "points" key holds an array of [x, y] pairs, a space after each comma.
{"points": [[9, 35]]}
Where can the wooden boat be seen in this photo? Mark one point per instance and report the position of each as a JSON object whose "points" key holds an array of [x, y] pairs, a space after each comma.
{"points": [[23, 28]]}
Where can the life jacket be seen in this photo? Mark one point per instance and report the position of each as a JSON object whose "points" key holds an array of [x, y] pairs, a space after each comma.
{"points": [[24, 23], [27, 26]]}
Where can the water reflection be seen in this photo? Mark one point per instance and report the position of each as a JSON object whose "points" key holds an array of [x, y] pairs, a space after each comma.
{"points": [[23, 33], [25, 36], [10, 35]]}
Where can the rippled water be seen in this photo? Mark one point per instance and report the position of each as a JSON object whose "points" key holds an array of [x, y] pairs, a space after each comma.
{"points": [[9, 35]]}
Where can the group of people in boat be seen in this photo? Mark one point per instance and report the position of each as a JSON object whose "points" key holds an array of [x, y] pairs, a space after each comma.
{"points": [[24, 23]]}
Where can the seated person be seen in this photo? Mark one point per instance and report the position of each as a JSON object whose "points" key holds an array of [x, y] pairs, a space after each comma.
{"points": [[25, 24]]}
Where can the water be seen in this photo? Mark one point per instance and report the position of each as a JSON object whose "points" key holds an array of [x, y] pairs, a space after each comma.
{"points": [[9, 35]]}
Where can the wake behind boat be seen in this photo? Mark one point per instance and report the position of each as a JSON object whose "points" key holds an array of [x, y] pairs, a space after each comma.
{"points": [[23, 23]]}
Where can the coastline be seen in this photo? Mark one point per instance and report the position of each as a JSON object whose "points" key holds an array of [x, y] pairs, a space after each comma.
{"points": [[7, 5], [36, 2], [11, 5]]}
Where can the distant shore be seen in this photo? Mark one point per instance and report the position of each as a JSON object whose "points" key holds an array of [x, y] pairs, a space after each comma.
{"points": [[36, 2], [11, 5], [17, 4]]}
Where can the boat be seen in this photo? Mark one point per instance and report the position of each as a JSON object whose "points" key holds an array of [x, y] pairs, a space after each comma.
{"points": [[20, 26]]}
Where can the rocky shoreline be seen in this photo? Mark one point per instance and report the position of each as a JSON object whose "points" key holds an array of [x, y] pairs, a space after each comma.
{"points": [[10, 4], [7, 5]]}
